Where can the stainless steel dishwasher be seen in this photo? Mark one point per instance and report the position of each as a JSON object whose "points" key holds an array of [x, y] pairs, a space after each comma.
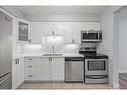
{"points": [[74, 69]]}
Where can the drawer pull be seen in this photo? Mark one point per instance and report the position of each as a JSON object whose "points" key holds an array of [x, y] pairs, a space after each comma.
{"points": [[30, 66], [30, 75], [29, 59]]}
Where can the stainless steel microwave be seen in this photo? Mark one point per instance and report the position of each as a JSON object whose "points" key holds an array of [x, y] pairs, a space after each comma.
{"points": [[91, 36]]}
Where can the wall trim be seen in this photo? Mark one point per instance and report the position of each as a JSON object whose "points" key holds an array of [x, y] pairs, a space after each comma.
{"points": [[116, 85], [122, 71]]}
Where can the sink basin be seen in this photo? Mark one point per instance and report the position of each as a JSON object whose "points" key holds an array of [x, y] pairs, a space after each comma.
{"points": [[55, 54]]}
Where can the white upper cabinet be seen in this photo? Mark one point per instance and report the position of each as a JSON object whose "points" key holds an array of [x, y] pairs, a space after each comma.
{"points": [[36, 32], [23, 30], [73, 30], [56, 27], [90, 26], [76, 32], [68, 32]]}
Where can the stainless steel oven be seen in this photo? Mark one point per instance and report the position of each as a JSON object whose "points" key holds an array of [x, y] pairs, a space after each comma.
{"points": [[96, 71], [91, 36]]}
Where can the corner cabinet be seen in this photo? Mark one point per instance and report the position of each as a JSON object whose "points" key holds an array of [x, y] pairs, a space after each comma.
{"points": [[23, 31]]}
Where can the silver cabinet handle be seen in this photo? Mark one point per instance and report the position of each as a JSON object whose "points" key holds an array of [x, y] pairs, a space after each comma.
{"points": [[5, 79], [29, 59], [30, 75], [16, 61], [49, 58], [30, 66]]}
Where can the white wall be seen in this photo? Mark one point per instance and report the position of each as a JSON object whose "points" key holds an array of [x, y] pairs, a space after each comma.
{"points": [[106, 47], [123, 40], [62, 17], [123, 46]]}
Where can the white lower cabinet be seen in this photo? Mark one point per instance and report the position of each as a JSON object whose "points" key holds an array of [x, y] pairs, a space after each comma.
{"points": [[18, 72], [57, 69], [45, 69], [31, 69]]}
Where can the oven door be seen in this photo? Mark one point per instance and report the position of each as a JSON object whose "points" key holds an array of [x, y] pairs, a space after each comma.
{"points": [[96, 67]]}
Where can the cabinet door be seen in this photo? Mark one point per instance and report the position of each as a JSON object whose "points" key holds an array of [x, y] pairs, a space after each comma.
{"points": [[14, 74], [20, 71], [36, 32], [44, 69], [76, 31], [68, 32], [90, 25], [23, 30], [57, 27], [57, 69]]}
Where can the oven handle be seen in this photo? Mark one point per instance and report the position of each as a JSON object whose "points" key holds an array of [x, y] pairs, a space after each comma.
{"points": [[97, 76]]}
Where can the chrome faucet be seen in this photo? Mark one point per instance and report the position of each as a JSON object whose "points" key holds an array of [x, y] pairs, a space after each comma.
{"points": [[53, 49]]}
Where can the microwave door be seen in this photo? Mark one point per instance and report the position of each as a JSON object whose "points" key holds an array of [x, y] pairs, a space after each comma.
{"points": [[93, 37]]}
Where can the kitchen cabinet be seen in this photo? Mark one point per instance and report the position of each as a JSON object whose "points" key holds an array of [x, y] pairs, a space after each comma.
{"points": [[68, 32], [36, 32], [73, 30], [76, 32], [45, 69], [31, 69], [18, 72], [23, 30], [90, 26], [57, 69], [56, 27]]}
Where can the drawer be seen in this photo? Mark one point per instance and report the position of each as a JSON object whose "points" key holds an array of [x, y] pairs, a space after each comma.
{"points": [[29, 77]]}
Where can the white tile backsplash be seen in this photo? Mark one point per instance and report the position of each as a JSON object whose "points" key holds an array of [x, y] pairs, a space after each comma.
{"points": [[33, 48], [47, 48]]}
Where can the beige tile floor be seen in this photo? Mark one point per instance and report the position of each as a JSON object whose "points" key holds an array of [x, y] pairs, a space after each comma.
{"points": [[122, 81], [63, 86]]}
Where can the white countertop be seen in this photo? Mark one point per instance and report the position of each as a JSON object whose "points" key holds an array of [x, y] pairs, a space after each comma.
{"points": [[41, 55]]}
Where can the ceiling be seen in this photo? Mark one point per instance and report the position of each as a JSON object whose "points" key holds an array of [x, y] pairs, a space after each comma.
{"points": [[61, 10]]}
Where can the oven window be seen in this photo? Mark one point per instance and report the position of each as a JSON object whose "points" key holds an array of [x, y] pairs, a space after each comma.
{"points": [[90, 36], [96, 65]]}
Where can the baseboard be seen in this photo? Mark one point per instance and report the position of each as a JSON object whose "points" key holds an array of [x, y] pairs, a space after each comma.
{"points": [[122, 71], [116, 85], [45, 81]]}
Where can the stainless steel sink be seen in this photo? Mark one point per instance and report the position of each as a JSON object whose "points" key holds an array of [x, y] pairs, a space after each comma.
{"points": [[55, 54]]}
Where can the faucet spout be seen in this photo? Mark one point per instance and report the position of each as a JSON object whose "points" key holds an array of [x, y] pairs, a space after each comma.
{"points": [[53, 49]]}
